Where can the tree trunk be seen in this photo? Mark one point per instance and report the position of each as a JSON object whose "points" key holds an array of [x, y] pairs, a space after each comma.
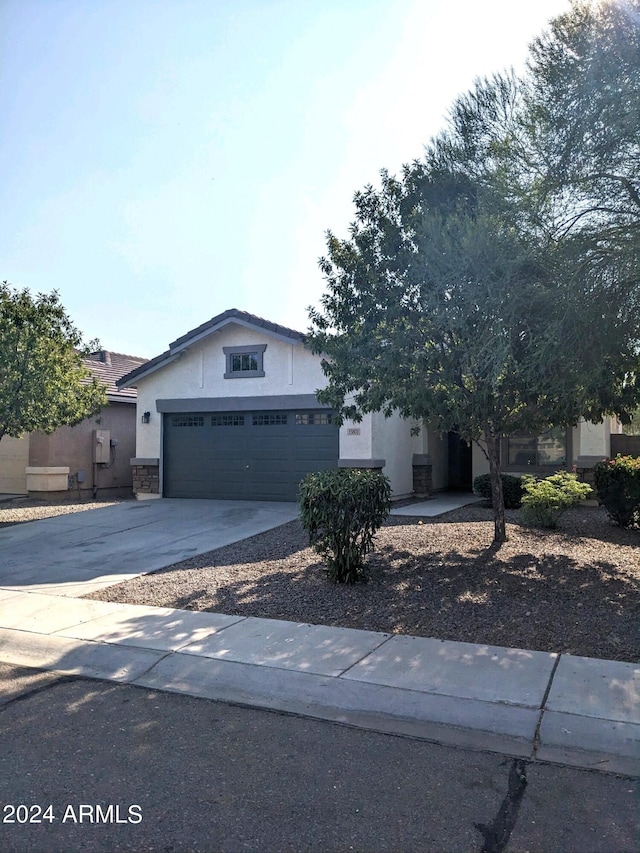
{"points": [[497, 498]]}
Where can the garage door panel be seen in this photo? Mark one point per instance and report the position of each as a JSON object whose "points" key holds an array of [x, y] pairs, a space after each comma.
{"points": [[245, 455]]}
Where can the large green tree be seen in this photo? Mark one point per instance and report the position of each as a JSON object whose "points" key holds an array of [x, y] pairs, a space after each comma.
{"points": [[582, 111], [467, 296], [438, 308], [43, 382]]}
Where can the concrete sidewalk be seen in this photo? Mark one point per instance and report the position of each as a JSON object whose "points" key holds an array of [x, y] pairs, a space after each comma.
{"points": [[558, 708], [562, 709]]}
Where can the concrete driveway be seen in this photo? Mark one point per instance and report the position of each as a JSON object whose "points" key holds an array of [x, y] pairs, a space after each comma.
{"points": [[77, 553]]}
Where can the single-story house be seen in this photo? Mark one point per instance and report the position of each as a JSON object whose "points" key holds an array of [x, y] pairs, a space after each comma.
{"points": [[89, 459], [229, 411]]}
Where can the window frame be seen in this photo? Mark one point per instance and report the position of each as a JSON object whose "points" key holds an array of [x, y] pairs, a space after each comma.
{"points": [[314, 419], [537, 469], [256, 349]]}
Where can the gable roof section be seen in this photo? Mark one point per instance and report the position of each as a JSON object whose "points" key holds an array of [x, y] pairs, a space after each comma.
{"points": [[233, 315], [108, 367]]}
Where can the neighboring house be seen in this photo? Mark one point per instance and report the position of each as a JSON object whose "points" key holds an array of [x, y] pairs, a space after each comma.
{"points": [[14, 459], [89, 459], [229, 411]]}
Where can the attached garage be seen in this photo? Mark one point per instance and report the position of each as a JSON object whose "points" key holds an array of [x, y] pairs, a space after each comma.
{"points": [[246, 455], [230, 412]]}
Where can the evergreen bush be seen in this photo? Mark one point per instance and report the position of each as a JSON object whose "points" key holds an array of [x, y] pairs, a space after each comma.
{"points": [[511, 489], [618, 486], [341, 511], [544, 501]]}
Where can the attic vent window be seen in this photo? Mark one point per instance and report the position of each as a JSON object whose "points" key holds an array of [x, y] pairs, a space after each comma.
{"points": [[243, 362]]}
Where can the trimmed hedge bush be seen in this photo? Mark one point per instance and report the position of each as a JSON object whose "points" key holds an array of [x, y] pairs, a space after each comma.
{"points": [[341, 511], [618, 486], [545, 500], [511, 489]]}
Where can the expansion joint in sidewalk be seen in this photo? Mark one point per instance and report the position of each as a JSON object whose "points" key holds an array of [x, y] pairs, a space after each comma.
{"points": [[543, 707], [365, 655], [154, 664]]}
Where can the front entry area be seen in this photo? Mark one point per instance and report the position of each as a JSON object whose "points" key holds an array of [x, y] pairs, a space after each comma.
{"points": [[245, 455], [460, 463]]}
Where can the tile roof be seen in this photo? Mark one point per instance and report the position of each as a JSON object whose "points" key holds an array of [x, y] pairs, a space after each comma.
{"points": [[235, 314], [229, 316], [109, 366]]}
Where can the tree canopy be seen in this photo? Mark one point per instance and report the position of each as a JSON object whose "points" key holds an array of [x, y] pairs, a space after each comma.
{"points": [[43, 382], [488, 289]]}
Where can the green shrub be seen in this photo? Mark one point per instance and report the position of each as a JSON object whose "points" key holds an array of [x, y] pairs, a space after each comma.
{"points": [[341, 511], [511, 489], [618, 486], [545, 500]]}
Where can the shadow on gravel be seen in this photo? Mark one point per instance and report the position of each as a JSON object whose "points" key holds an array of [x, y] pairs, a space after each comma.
{"points": [[544, 603]]}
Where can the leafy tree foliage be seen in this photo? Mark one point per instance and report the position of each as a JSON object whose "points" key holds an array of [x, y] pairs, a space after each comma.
{"points": [[582, 109], [468, 294], [43, 383]]}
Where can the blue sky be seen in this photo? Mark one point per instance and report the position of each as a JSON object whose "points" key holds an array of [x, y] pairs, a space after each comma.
{"points": [[164, 160]]}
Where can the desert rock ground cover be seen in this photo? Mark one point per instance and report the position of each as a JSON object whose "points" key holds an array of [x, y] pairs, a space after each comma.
{"points": [[574, 590]]}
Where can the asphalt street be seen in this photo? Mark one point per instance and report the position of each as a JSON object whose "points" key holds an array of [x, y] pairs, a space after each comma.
{"points": [[88, 765]]}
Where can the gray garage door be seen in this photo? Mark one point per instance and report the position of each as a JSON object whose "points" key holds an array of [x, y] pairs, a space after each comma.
{"points": [[245, 455]]}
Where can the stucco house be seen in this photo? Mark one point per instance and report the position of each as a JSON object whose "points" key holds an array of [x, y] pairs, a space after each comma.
{"points": [[229, 411], [89, 459]]}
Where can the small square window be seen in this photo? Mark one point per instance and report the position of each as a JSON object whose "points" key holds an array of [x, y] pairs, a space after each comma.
{"points": [[244, 361]]}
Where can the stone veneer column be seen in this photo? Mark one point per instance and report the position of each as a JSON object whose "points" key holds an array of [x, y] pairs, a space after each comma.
{"points": [[422, 475], [369, 464], [146, 477]]}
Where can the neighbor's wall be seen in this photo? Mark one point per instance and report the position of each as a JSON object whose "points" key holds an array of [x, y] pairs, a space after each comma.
{"points": [[73, 447], [290, 368], [14, 458]]}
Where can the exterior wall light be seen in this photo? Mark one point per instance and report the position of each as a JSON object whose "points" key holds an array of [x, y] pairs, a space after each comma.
{"points": [[146, 417]]}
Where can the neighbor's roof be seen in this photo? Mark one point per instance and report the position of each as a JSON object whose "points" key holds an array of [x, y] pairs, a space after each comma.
{"points": [[108, 367], [233, 315]]}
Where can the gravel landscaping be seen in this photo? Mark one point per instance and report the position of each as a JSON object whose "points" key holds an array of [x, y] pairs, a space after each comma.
{"points": [[19, 510], [574, 590]]}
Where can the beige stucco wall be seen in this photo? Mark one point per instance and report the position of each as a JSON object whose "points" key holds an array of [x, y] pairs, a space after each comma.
{"points": [[594, 439], [393, 442], [438, 450], [14, 458], [73, 447], [356, 439]]}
